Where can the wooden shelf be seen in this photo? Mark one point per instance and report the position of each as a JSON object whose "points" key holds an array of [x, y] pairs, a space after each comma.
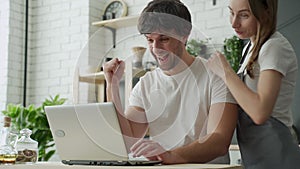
{"points": [[114, 24], [96, 78], [118, 22]]}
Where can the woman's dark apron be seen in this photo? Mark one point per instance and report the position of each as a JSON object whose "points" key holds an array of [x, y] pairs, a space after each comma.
{"points": [[266, 146]]}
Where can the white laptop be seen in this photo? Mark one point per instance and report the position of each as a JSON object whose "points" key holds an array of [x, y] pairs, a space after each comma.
{"points": [[89, 134]]}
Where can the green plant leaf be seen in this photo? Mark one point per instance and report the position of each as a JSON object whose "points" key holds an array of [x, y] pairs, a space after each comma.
{"points": [[35, 119], [195, 47], [233, 51], [48, 155]]}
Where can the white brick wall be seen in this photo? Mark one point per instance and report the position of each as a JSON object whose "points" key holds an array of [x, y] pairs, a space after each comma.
{"points": [[60, 29], [11, 55], [62, 38], [11, 52], [59, 36], [4, 33]]}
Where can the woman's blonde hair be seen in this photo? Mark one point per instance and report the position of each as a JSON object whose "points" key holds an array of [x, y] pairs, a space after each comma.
{"points": [[265, 11]]}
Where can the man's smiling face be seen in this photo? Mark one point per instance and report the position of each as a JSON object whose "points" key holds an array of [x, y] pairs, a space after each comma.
{"points": [[166, 50]]}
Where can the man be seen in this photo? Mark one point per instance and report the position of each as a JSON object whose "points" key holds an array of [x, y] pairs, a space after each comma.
{"points": [[187, 111]]}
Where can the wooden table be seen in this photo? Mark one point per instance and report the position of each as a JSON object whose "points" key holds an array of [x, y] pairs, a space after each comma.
{"points": [[58, 165]]}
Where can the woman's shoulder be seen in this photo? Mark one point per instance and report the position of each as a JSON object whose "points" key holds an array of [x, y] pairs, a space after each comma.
{"points": [[277, 40], [278, 53], [278, 44]]}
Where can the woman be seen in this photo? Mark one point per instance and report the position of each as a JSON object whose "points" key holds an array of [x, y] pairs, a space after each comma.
{"points": [[265, 87]]}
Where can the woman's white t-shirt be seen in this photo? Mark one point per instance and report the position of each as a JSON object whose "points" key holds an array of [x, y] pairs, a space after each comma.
{"points": [[276, 54]]}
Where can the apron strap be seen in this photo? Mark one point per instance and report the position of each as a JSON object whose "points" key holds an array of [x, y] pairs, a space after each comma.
{"points": [[245, 54]]}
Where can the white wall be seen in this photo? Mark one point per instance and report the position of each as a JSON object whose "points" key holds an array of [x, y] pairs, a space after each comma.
{"points": [[12, 51], [4, 33], [60, 29], [59, 35], [62, 38]]}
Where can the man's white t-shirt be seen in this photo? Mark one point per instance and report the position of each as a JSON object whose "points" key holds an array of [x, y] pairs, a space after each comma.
{"points": [[177, 106], [277, 54]]}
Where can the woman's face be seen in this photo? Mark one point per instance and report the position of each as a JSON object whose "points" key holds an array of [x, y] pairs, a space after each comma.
{"points": [[242, 20]]}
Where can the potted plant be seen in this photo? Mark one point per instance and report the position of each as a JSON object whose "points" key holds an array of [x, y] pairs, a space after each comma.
{"points": [[197, 47], [34, 118], [233, 51]]}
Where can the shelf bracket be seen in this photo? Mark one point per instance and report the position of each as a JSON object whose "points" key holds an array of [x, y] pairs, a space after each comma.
{"points": [[114, 32]]}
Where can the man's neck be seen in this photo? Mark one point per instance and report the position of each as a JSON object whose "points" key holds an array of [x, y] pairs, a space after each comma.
{"points": [[185, 62]]}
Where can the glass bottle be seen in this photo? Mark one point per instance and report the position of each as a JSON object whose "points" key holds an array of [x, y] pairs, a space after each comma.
{"points": [[27, 148], [8, 140]]}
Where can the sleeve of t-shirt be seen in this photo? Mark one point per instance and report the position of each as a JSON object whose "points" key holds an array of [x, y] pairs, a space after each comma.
{"points": [[135, 96], [276, 55], [220, 92]]}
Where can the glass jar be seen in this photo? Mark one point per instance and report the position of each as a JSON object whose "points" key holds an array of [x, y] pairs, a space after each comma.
{"points": [[8, 141], [27, 148]]}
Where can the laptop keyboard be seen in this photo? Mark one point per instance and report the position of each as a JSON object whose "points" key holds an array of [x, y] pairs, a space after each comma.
{"points": [[111, 163]]}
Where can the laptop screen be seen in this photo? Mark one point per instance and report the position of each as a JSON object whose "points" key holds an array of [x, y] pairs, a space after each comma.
{"points": [[87, 132]]}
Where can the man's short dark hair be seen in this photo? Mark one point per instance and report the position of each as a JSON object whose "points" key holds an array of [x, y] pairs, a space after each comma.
{"points": [[165, 15]]}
